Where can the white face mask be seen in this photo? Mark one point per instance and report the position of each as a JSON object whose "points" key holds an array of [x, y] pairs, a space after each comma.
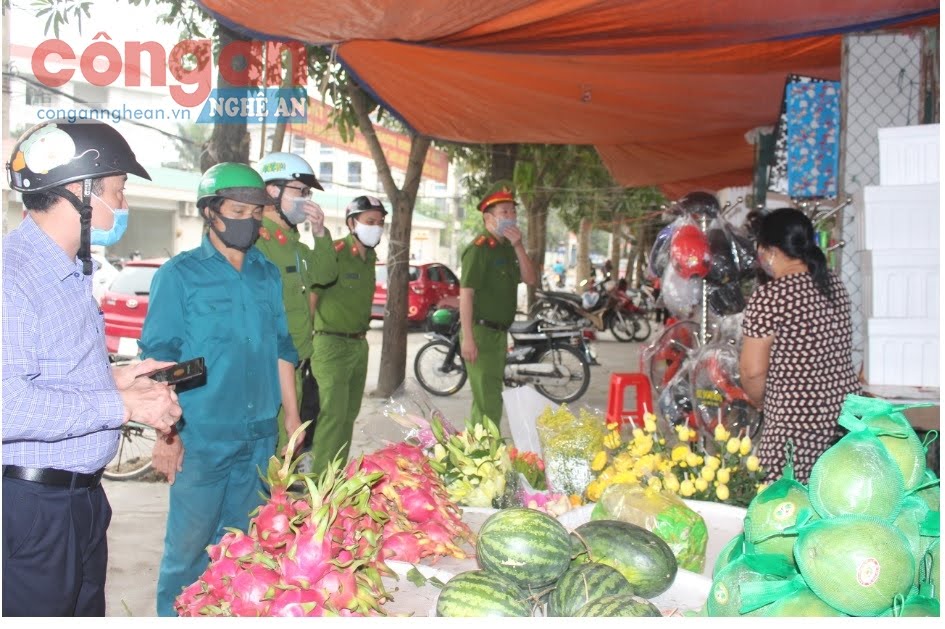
{"points": [[369, 235]]}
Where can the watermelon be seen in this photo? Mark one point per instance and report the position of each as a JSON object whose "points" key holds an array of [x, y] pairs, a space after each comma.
{"points": [[529, 547], [623, 605], [802, 603], [478, 593], [582, 583], [643, 558], [856, 564]]}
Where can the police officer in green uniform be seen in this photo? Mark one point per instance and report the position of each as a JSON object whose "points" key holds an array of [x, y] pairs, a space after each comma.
{"points": [[290, 180], [342, 317], [492, 267]]}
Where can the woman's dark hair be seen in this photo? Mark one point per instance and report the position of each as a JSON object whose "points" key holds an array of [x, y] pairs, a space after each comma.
{"points": [[792, 232]]}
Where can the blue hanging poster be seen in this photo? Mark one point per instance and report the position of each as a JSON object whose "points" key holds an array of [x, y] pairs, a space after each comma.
{"points": [[813, 139]]}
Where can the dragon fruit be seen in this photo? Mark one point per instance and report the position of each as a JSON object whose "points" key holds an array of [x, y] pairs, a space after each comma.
{"points": [[422, 521], [314, 554]]}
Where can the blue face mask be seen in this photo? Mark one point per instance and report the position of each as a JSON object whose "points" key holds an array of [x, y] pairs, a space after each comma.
{"points": [[503, 224], [107, 238]]}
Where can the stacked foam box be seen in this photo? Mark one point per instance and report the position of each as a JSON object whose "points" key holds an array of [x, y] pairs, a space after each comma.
{"points": [[898, 223]]}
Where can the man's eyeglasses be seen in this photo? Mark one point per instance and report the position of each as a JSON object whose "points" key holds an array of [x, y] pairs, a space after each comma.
{"points": [[304, 191]]}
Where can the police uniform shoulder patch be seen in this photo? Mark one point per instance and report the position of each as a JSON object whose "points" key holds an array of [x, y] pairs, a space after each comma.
{"points": [[339, 245], [480, 241], [264, 233]]}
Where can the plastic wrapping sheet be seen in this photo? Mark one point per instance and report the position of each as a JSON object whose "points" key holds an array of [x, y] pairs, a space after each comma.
{"points": [[662, 359], [717, 396], [682, 297], [569, 444]]}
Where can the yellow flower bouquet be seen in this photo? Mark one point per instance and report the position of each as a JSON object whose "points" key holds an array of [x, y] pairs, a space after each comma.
{"points": [[647, 458]]}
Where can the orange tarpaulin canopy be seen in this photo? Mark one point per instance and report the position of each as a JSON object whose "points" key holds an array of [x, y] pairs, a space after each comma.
{"points": [[665, 90]]}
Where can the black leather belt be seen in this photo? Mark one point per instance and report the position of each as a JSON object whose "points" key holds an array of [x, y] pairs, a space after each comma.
{"points": [[50, 476], [492, 325], [356, 335]]}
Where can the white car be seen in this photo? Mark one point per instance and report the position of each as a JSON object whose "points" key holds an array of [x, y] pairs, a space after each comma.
{"points": [[103, 277]]}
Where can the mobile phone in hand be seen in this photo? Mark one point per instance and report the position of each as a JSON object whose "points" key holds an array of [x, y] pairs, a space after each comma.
{"points": [[181, 372]]}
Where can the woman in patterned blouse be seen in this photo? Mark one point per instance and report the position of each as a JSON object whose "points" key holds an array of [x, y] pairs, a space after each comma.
{"points": [[796, 360]]}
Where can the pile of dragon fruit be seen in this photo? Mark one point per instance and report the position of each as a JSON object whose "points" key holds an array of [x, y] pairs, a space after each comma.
{"points": [[321, 551]]}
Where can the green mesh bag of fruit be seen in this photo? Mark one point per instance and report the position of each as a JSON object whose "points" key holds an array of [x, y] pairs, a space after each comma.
{"points": [[922, 602], [776, 509], [725, 595], [856, 475], [919, 524], [890, 425], [729, 553], [856, 564], [788, 597], [661, 513], [929, 491]]}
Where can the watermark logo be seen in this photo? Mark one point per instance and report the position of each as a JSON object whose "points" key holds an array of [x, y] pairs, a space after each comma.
{"points": [[189, 65], [233, 104]]}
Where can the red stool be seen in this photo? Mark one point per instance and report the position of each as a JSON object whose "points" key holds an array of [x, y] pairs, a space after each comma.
{"points": [[617, 408]]}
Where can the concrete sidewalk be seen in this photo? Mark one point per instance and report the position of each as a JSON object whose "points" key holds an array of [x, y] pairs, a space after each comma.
{"points": [[136, 535]]}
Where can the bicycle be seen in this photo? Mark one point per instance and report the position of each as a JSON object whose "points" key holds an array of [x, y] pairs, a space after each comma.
{"points": [[133, 459]]}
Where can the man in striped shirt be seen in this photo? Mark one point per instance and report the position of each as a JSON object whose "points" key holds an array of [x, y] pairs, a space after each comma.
{"points": [[63, 405]]}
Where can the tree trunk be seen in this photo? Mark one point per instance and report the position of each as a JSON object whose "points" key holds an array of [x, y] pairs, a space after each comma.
{"points": [[583, 270], [537, 240], [394, 341], [502, 162], [229, 142], [616, 246], [278, 134]]}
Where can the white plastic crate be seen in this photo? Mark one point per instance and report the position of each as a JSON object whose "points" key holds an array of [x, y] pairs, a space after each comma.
{"points": [[898, 217], [902, 352], [908, 155], [901, 284]]}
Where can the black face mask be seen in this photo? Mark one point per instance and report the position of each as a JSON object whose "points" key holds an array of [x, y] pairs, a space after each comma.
{"points": [[240, 234]]}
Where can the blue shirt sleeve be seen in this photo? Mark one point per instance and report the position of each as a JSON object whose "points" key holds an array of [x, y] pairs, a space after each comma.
{"points": [[32, 411], [162, 334]]}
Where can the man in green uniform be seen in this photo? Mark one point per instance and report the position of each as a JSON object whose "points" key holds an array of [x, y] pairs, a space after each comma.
{"points": [[289, 180], [492, 267], [342, 317]]}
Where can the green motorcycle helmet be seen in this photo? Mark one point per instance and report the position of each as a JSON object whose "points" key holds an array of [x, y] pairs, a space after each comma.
{"points": [[442, 317], [231, 180]]}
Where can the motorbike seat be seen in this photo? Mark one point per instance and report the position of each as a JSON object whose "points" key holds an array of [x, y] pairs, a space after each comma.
{"points": [[557, 294], [524, 327]]}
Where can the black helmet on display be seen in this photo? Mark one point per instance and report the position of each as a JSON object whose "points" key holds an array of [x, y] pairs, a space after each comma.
{"points": [[364, 204], [55, 153], [700, 204]]}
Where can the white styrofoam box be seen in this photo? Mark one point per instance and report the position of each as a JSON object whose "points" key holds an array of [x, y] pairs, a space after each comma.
{"points": [[902, 352], [901, 284], [898, 217], [908, 155]]}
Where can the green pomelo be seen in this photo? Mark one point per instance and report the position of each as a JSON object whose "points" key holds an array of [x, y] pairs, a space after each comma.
{"points": [[856, 476], [774, 510], [581, 584], [803, 603], [725, 596], [643, 558], [907, 451], [478, 593], [729, 553], [623, 605], [856, 564], [931, 495]]}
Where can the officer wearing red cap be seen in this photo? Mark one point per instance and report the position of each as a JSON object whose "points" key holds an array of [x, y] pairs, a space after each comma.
{"points": [[492, 267]]}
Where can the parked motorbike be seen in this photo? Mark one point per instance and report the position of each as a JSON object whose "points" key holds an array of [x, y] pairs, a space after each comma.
{"points": [[600, 307], [555, 359]]}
